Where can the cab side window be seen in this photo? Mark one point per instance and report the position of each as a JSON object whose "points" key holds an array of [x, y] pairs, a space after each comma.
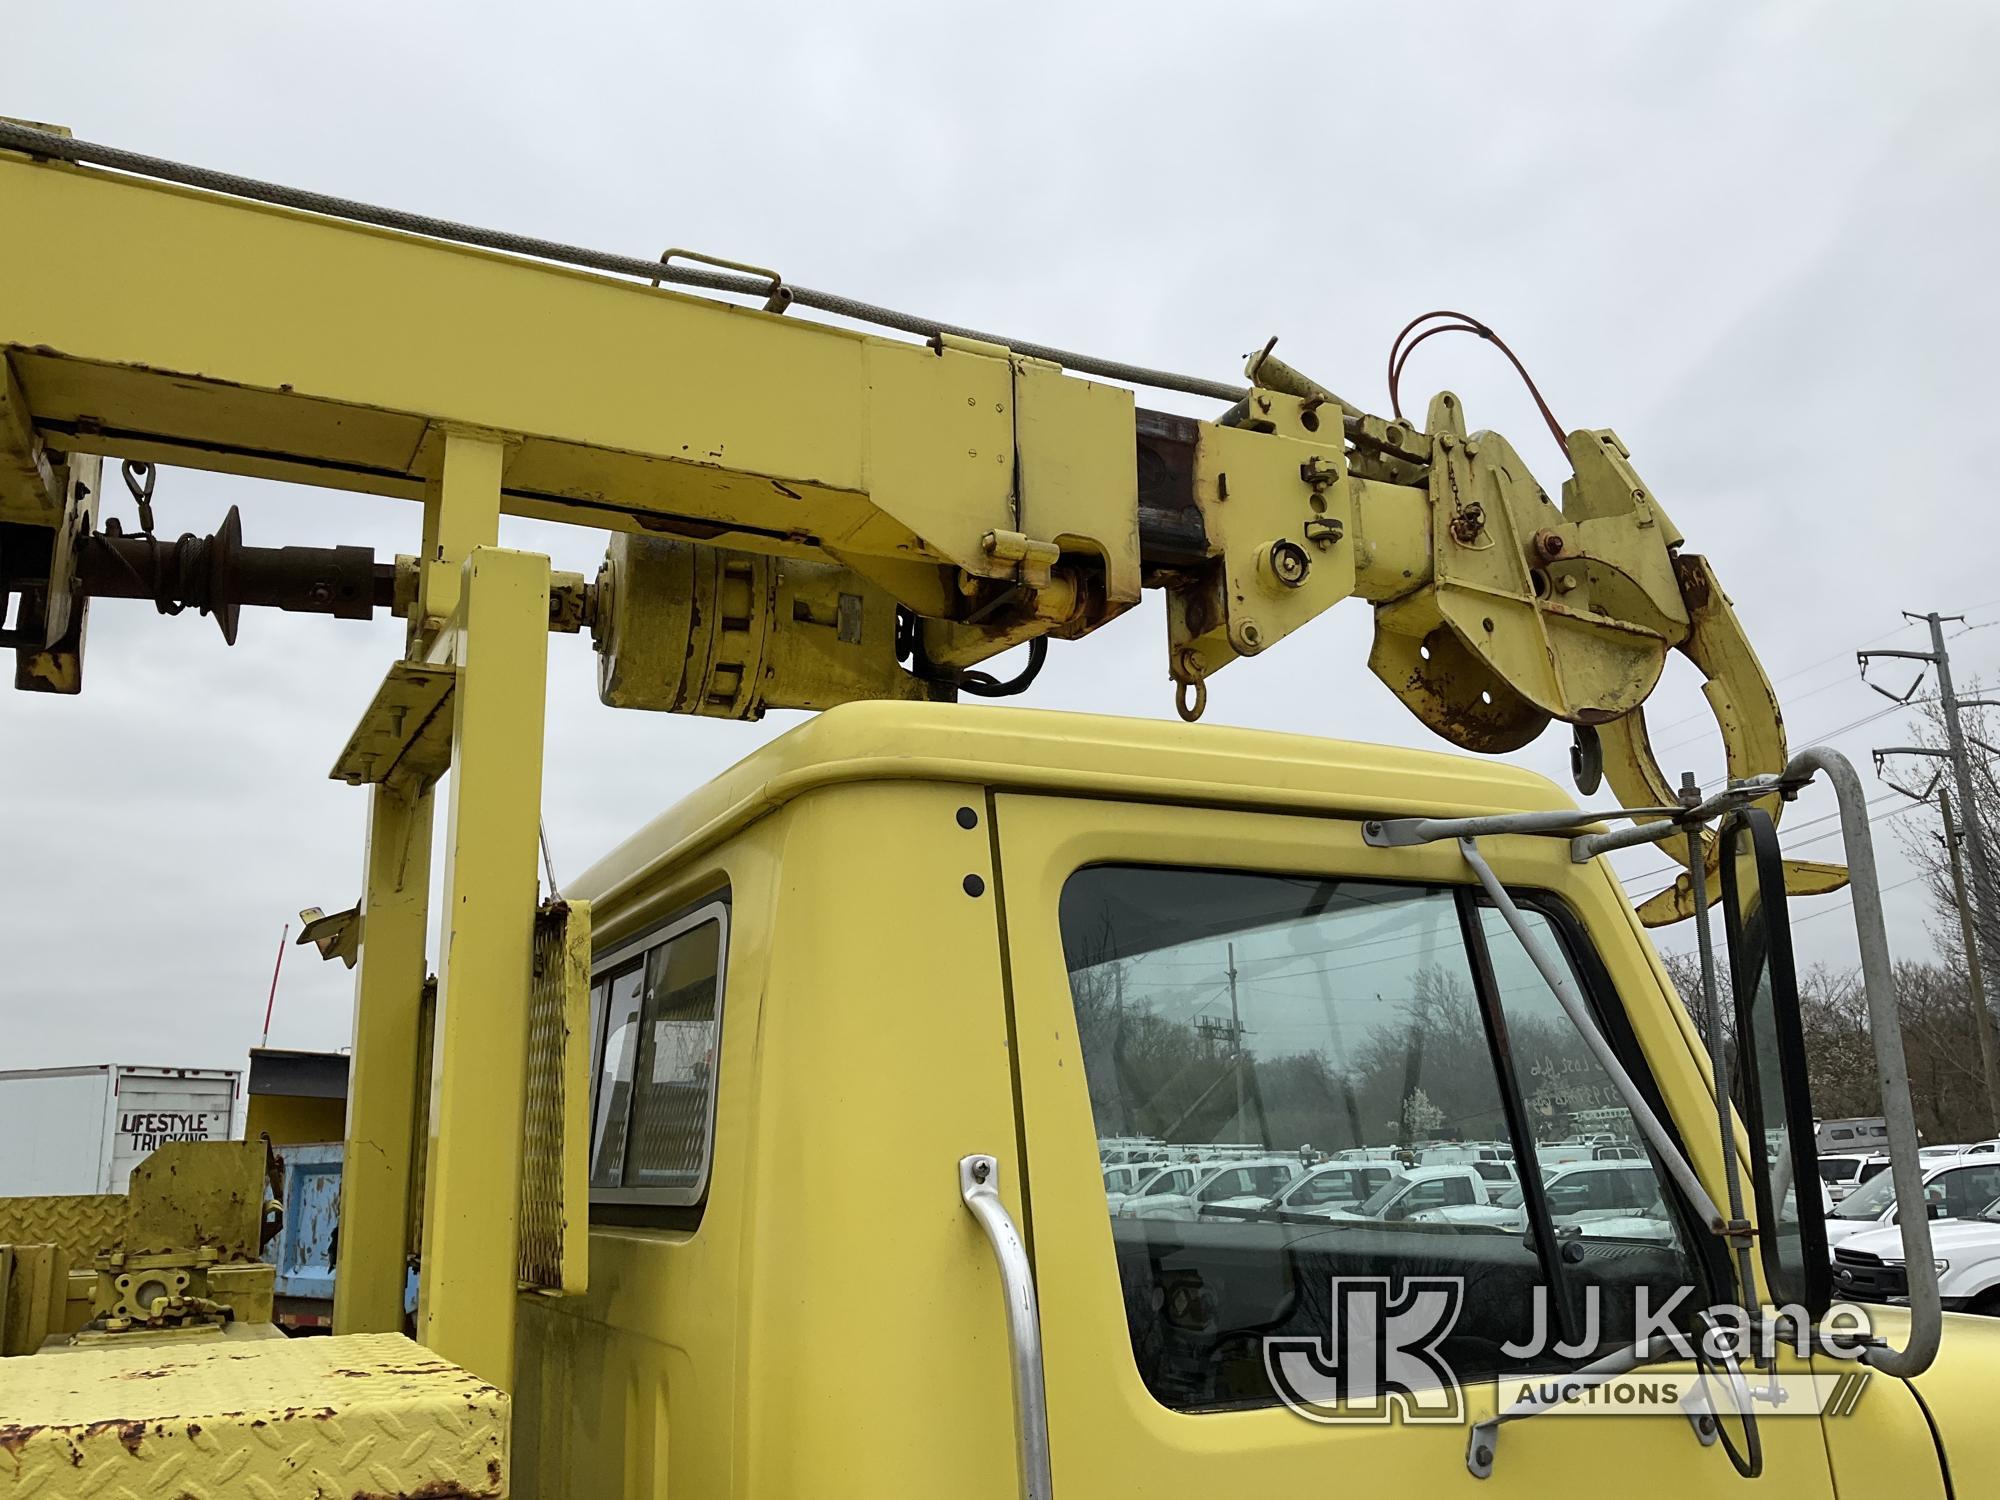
{"points": [[1310, 1018], [657, 1009]]}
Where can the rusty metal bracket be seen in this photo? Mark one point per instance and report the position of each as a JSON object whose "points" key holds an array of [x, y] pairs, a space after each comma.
{"points": [[1276, 506], [406, 730], [1034, 562], [336, 936]]}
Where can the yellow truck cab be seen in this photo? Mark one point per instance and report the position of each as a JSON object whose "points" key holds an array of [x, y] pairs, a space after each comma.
{"points": [[901, 936], [767, 1159]]}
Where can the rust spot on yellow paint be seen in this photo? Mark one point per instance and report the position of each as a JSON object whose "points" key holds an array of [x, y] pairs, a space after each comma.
{"points": [[131, 1434]]}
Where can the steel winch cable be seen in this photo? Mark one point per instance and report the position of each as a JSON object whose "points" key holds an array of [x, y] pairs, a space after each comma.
{"points": [[41, 143]]}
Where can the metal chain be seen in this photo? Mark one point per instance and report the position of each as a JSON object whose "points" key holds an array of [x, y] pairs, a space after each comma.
{"points": [[139, 478]]}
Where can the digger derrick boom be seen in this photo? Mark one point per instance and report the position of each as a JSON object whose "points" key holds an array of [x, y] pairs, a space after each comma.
{"points": [[806, 508], [802, 515]]}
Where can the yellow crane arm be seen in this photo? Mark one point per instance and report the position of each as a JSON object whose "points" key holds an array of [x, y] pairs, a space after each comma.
{"points": [[801, 513]]}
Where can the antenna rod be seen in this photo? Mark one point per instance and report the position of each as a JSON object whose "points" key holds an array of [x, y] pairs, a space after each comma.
{"points": [[276, 970]]}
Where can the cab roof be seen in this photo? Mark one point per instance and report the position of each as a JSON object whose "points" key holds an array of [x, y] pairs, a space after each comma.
{"points": [[1086, 755]]}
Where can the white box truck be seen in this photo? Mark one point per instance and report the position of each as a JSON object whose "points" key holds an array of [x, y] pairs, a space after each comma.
{"points": [[83, 1130]]}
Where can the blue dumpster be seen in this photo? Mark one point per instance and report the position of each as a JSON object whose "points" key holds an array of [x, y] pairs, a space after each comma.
{"points": [[307, 1250]]}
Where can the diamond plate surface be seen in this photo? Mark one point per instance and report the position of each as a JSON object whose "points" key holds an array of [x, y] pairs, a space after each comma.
{"points": [[555, 1183], [82, 1224], [364, 1415]]}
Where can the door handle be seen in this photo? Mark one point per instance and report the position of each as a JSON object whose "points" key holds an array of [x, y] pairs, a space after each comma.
{"points": [[978, 1185]]}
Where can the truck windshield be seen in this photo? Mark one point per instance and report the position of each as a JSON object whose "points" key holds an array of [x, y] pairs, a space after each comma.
{"points": [[1319, 1019], [1373, 1205], [1869, 1201]]}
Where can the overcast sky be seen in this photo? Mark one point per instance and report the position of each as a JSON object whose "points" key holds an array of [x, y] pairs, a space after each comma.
{"points": [[1756, 240]]}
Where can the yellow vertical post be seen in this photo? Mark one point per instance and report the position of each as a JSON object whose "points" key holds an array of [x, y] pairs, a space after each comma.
{"points": [[382, 1080], [485, 959], [461, 511]]}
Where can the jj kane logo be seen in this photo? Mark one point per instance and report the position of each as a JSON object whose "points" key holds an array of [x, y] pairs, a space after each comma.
{"points": [[1383, 1358]]}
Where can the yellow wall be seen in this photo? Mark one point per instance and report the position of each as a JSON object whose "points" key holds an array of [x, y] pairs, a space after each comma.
{"points": [[290, 1120]]}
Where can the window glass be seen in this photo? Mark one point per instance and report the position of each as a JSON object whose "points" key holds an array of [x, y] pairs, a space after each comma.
{"points": [[1869, 1201], [1316, 1019], [1968, 1189], [655, 1100], [614, 1088], [1304, 1018], [1616, 1217], [676, 1066], [1569, 1095], [598, 992]]}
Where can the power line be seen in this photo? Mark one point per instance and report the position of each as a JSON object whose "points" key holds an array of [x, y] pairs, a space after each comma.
{"points": [[1824, 661], [1810, 667], [1894, 812], [1674, 869], [1876, 801], [1844, 905]]}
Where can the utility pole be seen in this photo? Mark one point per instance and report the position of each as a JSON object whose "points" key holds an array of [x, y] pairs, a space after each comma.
{"points": [[1982, 1018], [1979, 914], [1235, 1039]]}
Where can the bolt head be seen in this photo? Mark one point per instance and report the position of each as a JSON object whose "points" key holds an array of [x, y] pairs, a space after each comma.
{"points": [[1289, 563]]}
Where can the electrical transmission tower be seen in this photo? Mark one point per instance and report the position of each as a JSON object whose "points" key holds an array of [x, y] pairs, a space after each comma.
{"points": [[1977, 910]]}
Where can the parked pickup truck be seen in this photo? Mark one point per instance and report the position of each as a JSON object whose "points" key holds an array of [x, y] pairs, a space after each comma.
{"points": [[1423, 1188], [1151, 1180], [1260, 1177], [1605, 1199], [1953, 1189], [1326, 1189], [1844, 1172], [1869, 1267]]}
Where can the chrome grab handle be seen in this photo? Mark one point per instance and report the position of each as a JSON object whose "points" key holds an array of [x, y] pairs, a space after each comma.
{"points": [[978, 1185]]}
